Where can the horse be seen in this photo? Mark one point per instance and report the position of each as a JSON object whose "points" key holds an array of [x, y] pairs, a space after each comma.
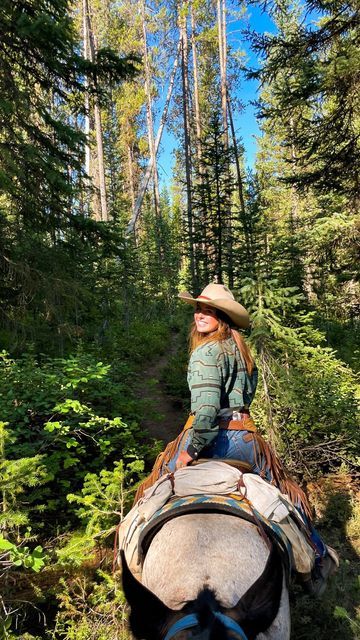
{"points": [[209, 576]]}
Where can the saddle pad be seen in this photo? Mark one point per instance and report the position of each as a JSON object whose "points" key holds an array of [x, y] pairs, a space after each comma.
{"points": [[230, 504]]}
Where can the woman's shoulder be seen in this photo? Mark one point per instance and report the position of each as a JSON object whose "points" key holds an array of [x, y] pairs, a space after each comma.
{"points": [[211, 350]]}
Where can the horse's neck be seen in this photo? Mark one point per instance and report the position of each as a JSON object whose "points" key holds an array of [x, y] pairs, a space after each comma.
{"points": [[194, 551]]}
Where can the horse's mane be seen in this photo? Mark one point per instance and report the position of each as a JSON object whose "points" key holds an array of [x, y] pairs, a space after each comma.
{"points": [[204, 607]]}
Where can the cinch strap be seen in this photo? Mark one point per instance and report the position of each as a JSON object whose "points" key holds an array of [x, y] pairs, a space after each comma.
{"points": [[191, 620]]}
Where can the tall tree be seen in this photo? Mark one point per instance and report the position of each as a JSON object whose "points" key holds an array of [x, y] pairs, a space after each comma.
{"points": [[90, 47], [183, 26]]}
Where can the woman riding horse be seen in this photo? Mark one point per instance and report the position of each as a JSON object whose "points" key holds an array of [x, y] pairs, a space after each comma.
{"points": [[222, 378]]}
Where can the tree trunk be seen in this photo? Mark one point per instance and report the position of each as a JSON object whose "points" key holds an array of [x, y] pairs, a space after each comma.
{"points": [[243, 217], [97, 116], [150, 116], [131, 175], [219, 253], [221, 20], [140, 197], [196, 89], [86, 84], [187, 145], [198, 146]]}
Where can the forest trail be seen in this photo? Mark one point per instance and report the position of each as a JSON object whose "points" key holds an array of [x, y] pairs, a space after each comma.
{"points": [[163, 415]]}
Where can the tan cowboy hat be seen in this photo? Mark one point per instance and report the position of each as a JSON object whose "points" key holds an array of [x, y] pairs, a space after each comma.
{"points": [[220, 297]]}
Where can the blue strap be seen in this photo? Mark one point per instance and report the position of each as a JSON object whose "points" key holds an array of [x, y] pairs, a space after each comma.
{"points": [[230, 624], [192, 620], [184, 623]]}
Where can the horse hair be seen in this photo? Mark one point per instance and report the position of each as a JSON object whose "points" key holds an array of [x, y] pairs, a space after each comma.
{"points": [[204, 607]]}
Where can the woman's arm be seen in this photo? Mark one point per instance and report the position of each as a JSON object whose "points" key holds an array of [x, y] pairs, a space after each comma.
{"points": [[205, 382]]}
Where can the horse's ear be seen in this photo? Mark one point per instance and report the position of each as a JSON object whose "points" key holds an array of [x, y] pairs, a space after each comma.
{"points": [[258, 607], [148, 613]]}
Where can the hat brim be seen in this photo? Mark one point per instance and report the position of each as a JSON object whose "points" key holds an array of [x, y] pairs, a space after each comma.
{"points": [[236, 312]]}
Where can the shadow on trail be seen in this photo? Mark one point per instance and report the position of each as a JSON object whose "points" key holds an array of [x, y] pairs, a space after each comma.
{"points": [[163, 413], [334, 615]]}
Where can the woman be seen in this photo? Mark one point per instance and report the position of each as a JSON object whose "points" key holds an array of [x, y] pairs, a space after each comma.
{"points": [[222, 379]]}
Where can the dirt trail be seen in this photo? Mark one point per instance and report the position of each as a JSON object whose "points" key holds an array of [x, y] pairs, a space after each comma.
{"points": [[163, 416]]}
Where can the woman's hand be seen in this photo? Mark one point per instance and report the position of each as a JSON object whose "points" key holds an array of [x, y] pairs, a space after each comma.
{"points": [[183, 460]]}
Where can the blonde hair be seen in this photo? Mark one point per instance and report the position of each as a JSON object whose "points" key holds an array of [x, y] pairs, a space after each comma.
{"points": [[223, 332]]}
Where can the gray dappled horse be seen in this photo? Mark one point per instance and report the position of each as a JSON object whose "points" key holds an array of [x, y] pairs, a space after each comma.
{"points": [[209, 576]]}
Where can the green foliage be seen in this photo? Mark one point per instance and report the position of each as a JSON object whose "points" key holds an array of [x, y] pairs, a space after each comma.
{"points": [[12, 555], [311, 395], [51, 406], [17, 477], [102, 503], [106, 497], [312, 70], [91, 608]]}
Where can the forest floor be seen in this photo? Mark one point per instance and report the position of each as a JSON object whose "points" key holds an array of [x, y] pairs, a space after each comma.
{"points": [[163, 414], [336, 502]]}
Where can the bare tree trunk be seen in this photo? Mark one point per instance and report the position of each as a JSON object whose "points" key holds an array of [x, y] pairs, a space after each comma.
{"points": [[98, 127], [187, 145], [198, 144], [221, 20], [131, 176], [243, 218], [140, 197], [86, 83], [150, 117], [196, 88], [219, 256]]}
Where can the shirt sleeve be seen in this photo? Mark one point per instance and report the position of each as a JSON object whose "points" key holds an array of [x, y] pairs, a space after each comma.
{"points": [[205, 383]]}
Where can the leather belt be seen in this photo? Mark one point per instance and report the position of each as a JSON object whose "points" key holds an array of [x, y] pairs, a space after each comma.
{"points": [[243, 423]]}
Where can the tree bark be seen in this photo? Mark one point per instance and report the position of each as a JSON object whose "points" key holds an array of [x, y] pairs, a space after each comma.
{"points": [[131, 175], [221, 20], [97, 116], [187, 145], [196, 88], [86, 83], [243, 218], [150, 116]]}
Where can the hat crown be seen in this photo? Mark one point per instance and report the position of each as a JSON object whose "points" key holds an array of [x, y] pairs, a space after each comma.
{"points": [[220, 297], [215, 291]]}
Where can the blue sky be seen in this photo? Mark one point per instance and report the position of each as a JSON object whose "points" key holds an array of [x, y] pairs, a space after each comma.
{"points": [[245, 122]]}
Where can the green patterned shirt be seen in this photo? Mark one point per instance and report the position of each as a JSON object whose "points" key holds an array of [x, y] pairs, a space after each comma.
{"points": [[217, 379]]}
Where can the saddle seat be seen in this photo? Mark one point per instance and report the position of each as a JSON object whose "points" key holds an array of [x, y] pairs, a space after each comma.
{"points": [[241, 465]]}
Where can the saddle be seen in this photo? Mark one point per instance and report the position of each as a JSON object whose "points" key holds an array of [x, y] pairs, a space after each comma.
{"points": [[241, 465]]}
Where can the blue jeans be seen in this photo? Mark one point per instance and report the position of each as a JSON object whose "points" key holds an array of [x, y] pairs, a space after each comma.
{"points": [[232, 444]]}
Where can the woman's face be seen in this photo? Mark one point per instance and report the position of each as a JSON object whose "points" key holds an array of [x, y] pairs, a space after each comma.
{"points": [[205, 318]]}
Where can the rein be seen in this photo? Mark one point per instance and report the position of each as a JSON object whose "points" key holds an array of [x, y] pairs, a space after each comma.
{"points": [[192, 620]]}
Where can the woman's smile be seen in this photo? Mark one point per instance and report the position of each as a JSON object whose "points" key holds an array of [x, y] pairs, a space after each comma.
{"points": [[205, 319]]}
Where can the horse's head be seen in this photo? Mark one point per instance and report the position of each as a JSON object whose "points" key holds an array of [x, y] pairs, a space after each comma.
{"points": [[205, 618]]}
